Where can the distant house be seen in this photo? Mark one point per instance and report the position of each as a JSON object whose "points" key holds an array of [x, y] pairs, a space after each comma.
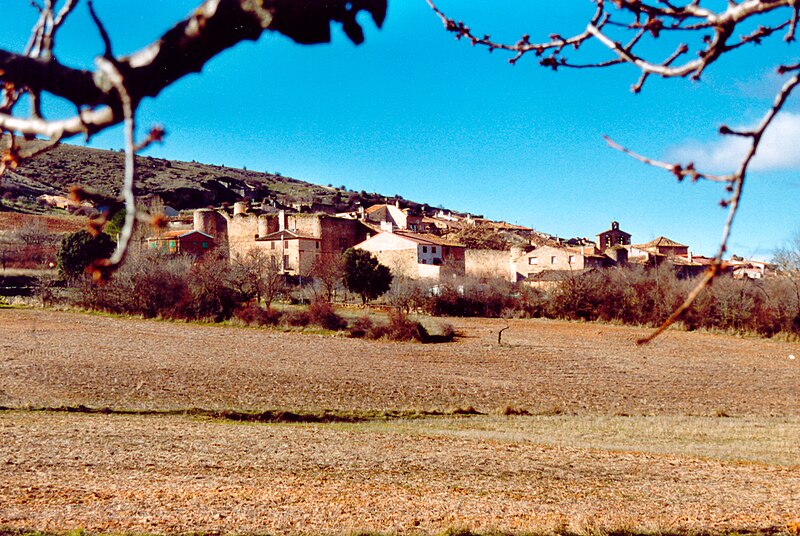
{"points": [[295, 252], [416, 255], [392, 217], [664, 246], [558, 259], [185, 241], [613, 237], [749, 269]]}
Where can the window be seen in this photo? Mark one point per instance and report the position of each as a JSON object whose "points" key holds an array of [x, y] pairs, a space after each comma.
{"points": [[424, 249], [272, 245], [172, 243], [204, 245], [533, 260], [286, 243], [553, 259], [572, 259], [317, 243], [433, 249]]}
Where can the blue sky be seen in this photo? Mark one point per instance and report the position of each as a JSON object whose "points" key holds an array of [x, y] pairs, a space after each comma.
{"points": [[416, 113]]}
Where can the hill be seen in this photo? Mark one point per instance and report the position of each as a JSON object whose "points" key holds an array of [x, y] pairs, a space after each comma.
{"points": [[182, 185]]}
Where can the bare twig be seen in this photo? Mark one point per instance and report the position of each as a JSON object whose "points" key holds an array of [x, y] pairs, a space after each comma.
{"points": [[651, 19]]}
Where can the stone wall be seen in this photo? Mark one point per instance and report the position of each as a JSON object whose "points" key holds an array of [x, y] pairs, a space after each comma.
{"points": [[489, 263]]}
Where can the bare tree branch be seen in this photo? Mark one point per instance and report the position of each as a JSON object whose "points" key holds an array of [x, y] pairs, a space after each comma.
{"points": [[113, 91], [651, 19]]}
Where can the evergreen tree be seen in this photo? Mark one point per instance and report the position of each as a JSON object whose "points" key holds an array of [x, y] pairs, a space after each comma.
{"points": [[364, 275]]}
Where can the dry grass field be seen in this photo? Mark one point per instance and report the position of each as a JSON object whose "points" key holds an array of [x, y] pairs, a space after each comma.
{"points": [[564, 428]]}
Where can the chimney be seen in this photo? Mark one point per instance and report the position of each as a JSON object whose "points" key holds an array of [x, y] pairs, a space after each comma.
{"points": [[281, 220], [690, 256], [361, 212], [397, 203]]}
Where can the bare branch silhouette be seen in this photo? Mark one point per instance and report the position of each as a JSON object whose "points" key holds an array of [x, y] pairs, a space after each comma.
{"points": [[643, 23]]}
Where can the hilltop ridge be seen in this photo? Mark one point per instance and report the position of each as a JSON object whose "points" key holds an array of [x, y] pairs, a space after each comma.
{"points": [[181, 185]]}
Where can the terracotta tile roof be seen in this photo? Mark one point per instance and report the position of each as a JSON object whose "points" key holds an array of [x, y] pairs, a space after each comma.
{"points": [[662, 241], [178, 234], [374, 208], [427, 238]]}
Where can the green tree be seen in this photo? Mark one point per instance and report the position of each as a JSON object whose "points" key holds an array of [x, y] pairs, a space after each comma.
{"points": [[78, 250], [364, 275]]}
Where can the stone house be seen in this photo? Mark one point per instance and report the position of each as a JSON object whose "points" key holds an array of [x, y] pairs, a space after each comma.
{"points": [[297, 239], [416, 255], [296, 253], [664, 246], [392, 217], [562, 259]]}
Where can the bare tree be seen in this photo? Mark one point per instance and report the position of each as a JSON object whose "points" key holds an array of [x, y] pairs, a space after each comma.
{"points": [[260, 275], [635, 32], [112, 92], [328, 272]]}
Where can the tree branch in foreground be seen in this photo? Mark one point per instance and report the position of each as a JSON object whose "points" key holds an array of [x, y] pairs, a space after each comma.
{"points": [[710, 35], [112, 92]]}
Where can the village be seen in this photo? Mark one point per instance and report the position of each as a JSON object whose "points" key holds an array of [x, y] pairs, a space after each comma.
{"points": [[418, 245]]}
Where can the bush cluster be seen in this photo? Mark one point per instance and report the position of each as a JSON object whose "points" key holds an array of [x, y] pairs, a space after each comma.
{"points": [[399, 328], [630, 295], [154, 285]]}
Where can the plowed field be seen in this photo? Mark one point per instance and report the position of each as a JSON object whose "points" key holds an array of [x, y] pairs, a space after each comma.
{"points": [[696, 432]]}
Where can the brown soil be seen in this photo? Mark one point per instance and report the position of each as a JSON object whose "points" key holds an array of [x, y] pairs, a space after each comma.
{"points": [[61, 471], [54, 359], [10, 221]]}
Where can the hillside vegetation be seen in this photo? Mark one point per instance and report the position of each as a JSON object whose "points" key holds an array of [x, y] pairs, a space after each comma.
{"points": [[182, 185]]}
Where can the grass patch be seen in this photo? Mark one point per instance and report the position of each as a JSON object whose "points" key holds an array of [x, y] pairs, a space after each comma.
{"points": [[773, 440]]}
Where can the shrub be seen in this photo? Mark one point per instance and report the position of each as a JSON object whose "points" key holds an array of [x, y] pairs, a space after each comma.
{"points": [[401, 328], [322, 314], [252, 314], [297, 318], [360, 327]]}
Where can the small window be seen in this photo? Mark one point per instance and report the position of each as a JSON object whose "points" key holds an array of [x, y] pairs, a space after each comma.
{"points": [[286, 243], [204, 245], [317, 245], [533, 260], [423, 261], [433, 249], [272, 245], [553, 259], [172, 243], [424, 249]]}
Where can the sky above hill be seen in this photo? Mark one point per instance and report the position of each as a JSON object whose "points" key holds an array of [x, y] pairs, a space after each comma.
{"points": [[414, 112]]}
